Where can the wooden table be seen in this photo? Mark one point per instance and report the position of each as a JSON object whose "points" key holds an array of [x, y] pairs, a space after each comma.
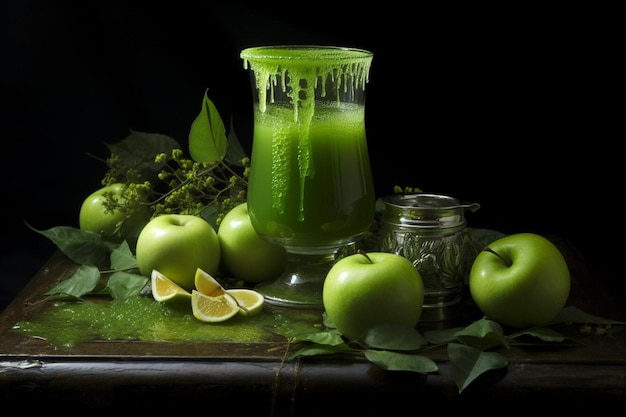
{"points": [[253, 377]]}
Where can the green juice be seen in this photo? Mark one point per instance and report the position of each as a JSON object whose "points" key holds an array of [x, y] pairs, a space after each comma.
{"points": [[310, 180]]}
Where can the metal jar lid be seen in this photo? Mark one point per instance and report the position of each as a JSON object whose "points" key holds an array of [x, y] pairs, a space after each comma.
{"points": [[427, 211]]}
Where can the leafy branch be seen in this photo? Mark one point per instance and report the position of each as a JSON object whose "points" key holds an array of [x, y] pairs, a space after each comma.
{"points": [[155, 170], [155, 173]]}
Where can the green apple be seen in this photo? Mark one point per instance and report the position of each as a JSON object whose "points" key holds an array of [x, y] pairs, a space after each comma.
{"points": [[245, 254], [520, 280], [362, 291], [94, 216], [177, 245]]}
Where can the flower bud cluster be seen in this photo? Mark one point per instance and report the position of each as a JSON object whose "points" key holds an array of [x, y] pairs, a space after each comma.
{"points": [[181, 186]]}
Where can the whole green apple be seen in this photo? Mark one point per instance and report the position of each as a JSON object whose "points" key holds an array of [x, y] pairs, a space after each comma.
{"points": [[177, 245], [244, 253], [520, 280], [362, 291], [113, 225]]}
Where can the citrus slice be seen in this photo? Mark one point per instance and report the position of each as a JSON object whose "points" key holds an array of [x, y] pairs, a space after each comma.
{"points": [[207, 285], [250, 301], [166, 290], [213, 309]]}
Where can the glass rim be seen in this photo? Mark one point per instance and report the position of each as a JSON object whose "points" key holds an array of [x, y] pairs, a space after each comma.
{"points": [[316, 51]]}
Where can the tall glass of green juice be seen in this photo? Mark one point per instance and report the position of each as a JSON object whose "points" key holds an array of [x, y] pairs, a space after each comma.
{"points": [[310, 186]]}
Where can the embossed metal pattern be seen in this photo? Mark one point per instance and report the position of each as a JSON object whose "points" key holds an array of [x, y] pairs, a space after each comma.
{"points": [[429, 230]]}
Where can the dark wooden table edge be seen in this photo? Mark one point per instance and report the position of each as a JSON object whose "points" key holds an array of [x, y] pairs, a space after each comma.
{"points": [[100, 384]]}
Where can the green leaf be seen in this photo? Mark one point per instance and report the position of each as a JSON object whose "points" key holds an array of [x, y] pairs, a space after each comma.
{"points": [[123, 285], [544, 333], [315, 350], [326, 321], [395, 361], [235, 153], [210, 213], [394, 337], [139, 149], [482, 334], [207, 136], [329, 337], [438, 337], [468, 363], [483, 237], [123, 258], [82, 282], [81, 246], [572, 314]]}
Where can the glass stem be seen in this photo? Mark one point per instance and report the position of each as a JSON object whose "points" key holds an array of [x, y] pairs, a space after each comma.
{"points": [[301, 283]]}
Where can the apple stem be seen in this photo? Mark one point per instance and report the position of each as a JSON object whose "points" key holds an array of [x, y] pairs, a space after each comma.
{"points": [[362, 252], [488, 249]]}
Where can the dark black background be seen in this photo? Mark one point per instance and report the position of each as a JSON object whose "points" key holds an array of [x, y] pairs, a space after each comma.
{"points": [[514, 108]]}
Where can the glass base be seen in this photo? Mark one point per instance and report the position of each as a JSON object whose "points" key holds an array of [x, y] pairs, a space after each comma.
{"points": [[302, 282]]}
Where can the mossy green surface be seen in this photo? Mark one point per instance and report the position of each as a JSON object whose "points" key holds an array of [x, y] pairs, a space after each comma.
{"points": [[141, 318]]}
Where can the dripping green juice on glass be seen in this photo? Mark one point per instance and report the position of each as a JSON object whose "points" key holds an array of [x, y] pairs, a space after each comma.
{"points": [[310, 186]]}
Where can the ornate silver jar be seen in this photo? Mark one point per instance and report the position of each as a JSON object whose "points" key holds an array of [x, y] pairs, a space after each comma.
{"points": [[429, 230]]}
